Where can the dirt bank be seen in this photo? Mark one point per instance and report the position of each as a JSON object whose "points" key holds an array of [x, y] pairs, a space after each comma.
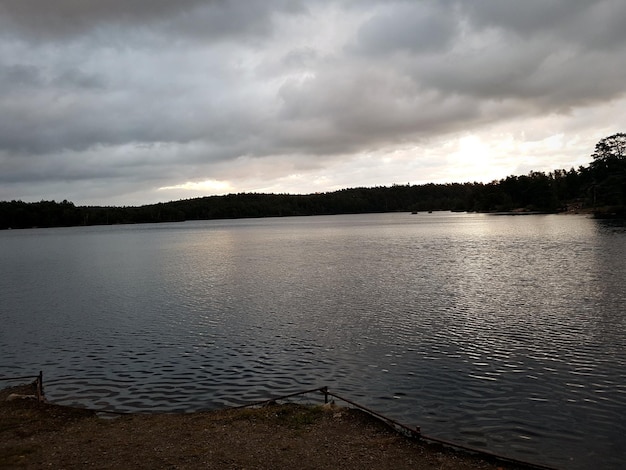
{"points": [[38, 435]]}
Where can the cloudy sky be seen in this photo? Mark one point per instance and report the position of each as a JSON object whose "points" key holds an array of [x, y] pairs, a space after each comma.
{"points": [[129, 102]]}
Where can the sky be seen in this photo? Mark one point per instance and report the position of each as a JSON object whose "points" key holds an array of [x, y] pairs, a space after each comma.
{"points": [[132, 102]]}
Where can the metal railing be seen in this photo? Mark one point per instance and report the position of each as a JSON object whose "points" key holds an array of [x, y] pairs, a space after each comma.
{"points": [[414, 433], [37, 384]]}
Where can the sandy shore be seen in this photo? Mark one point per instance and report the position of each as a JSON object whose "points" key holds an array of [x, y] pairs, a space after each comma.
{"points": [[39, 435]]}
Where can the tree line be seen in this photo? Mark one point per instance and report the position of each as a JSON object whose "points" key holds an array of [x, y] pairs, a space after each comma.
{"points": [[599, 187]]}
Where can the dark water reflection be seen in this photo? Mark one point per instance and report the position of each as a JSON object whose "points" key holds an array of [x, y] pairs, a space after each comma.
{"points": [[506, 333]]}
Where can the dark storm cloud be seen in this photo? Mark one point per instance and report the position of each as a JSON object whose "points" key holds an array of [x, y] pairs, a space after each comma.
{"points": [[58, 106], [589, 24], [38, 20], [17, 76], [553, 55], [340, 110], [415, 27]]}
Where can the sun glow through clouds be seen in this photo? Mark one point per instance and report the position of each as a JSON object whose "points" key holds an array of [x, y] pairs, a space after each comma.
{"points": [[474, 160], [212, 186]]}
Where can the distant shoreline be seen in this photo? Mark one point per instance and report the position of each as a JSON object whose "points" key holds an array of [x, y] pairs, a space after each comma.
{"points": [[603, 213], [557, 192]]}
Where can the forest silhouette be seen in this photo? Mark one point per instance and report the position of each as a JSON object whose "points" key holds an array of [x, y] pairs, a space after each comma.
{"points": [[599, 188]]}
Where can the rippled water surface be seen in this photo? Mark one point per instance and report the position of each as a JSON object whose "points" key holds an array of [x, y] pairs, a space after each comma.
{"points": [[503, 333]]}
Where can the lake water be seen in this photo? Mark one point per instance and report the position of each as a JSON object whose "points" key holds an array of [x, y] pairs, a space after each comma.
{"points": [[498, 332]]}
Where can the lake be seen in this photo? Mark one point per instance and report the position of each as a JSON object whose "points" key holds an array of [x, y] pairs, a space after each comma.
{"points": [[506, 333]]}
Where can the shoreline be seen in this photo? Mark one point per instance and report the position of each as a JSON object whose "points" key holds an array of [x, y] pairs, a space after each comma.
{"points": [[37, 434]]}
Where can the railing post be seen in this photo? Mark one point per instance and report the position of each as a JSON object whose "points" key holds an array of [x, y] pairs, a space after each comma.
{"points": [[325, 392], [40, 386]]}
